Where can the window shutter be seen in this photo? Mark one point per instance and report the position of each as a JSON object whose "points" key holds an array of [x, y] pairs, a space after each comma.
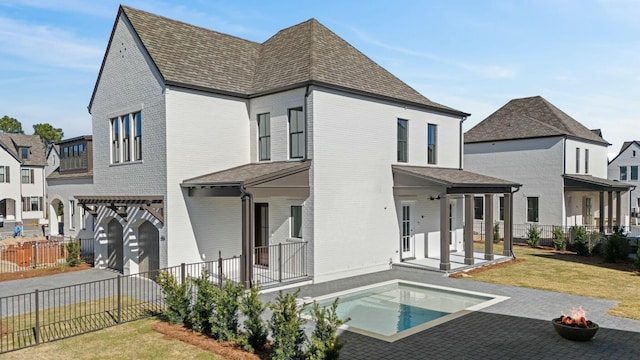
{"points": [[41, 207], [6, 169], [24, 204], [32, 177]]}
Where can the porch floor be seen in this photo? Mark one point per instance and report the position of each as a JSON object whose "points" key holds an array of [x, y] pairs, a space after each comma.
{"points": [[456, 260]]}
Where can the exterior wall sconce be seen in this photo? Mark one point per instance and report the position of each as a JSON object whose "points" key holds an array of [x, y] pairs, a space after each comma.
{"points": [[437, 197]]}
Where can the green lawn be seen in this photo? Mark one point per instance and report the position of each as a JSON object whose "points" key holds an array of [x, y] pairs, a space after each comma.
{"points": [[566, 272]]}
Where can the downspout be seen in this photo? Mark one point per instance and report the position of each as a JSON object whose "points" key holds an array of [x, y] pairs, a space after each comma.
{"points": [[461, 143], [246, 273]]}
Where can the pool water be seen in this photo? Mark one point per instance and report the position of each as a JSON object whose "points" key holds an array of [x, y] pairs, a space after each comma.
{"points": [[390, 309]]}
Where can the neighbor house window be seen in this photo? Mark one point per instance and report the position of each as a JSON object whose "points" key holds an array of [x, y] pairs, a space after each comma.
{"points": [[532, 209], [4, 174], [402, 140], [478, 207], [586, 161], [32, 203], [432, 138], [115, 140], [137, 136], [634, 173], [501, 207], [296, 221], [264, 136], [27, 176], [577, 160], [623, 173], [24, 153], [126, 138], [296, 133]]}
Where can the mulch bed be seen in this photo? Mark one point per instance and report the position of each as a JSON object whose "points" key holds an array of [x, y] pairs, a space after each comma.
{"points": [[31, 273]]}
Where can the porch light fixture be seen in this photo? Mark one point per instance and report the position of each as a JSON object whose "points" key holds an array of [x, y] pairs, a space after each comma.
{"points": [[437, 197]]}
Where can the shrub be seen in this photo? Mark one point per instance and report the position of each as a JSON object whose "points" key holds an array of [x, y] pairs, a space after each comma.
{"points": [[581, 242], [286, 327], [177, 298], [73, 252], [252, 308], [559, 243], [533, 236], [496, 232], [324, 340], [203, 304], [617, 247], [636, 263], [224, 320]]}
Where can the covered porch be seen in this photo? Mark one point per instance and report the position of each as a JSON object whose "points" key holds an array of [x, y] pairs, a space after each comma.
{"points": [[454, 191]]}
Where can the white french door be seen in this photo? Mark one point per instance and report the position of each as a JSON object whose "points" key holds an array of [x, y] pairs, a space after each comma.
{"points": [[407, 239]]}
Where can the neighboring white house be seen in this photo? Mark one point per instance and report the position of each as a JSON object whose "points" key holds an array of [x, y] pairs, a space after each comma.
{"points": [[209, 145], [73, 175], [561, 165], [624, 168], [22, 187]]}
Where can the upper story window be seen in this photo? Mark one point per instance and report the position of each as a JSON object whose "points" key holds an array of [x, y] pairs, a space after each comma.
{"points": [[27, 176], [586, 161], [24, 152], [402, 140], [73, 157], [577, 160], [478, 210], [264, 136], [634, 173], [532, 209], [4, 174], [126, 138], [633, 153], [296, 221], [296, 133], [623, 173], [432, 146]]}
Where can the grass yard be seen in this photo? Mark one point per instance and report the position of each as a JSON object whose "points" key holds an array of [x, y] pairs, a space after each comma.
{"points": [[134, 340], [565, 272]]}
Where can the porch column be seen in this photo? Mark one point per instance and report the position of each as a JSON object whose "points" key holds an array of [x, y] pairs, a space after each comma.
{"points": [[618, 209], [468, 229], [601, 212], [609, 211], [488, 226], [445, 233], [246, 268], [508, 224]]}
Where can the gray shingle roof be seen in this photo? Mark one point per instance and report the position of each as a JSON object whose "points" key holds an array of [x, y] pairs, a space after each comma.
{"points": [[600, 182], [454, 177], [13, 142], [306, 53], [249, 174], [531, 117]]}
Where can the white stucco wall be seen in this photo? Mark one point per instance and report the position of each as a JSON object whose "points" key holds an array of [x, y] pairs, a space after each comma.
{"points": [[11, 189], [627, 159], [597, 158], [356, 226], [64, 190], [37, 189], [537, 164]]}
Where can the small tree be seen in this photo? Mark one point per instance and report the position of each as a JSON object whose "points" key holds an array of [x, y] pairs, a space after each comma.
{"points": [[224, 320], [324, 343], [617, 246], [559, 242], [581, 242], [286, 327], [204, 304], [176, 297], [252, 308], [73, 252], [496, 232], [533, 236]]}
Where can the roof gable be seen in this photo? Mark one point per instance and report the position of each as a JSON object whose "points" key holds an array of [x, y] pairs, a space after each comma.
{"points": [[531, 117], [625, 146], [13, 142], [307, 53]]}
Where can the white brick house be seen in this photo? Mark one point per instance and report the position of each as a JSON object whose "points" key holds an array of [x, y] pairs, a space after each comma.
{"points": [[624, 168], [561, 165], [301, 139], [22, 186]]}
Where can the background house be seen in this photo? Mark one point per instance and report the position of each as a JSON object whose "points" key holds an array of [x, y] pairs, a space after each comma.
{"points": [[624, 168], [22, 186], [222, 147], [561, 164]]}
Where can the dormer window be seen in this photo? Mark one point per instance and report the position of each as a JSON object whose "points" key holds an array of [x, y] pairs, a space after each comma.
{"points": [[24, 153]]}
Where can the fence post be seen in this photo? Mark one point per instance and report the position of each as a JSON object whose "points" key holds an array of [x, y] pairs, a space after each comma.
{"points": [[37, 328], [220, 269], [279, 262], [119, 286], [182, 272], [35, 255]]}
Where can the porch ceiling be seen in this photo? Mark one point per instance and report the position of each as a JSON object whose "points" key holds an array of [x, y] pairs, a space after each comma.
{"points": [[591, 183], [455, 181]]}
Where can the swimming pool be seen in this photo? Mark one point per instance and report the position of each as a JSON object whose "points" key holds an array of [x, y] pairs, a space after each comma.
{"points": [[395, 309]]}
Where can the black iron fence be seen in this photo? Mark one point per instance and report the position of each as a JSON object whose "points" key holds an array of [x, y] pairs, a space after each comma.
{"points": [[46, 315]]}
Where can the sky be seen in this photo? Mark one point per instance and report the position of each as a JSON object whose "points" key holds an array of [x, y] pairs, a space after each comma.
{"points": [[583, 56]]}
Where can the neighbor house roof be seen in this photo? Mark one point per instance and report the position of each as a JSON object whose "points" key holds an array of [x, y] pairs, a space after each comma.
{"points": [[304, 54], [624, 147], [588, 183], [13, 142], [531, 117]]}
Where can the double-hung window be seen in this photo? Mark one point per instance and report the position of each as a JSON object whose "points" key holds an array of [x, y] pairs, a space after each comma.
{"points": [[577, 160], [532, 209], [623, 173], [586, 161], [126, 138], [296, 221], [4, 174], [432, 146], [296, 133], [634, 172], [264, 136], [402, 140], [501, 207], [27, 176], [24, 152], [32, 203]]}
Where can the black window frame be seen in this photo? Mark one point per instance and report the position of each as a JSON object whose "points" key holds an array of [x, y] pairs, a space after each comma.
{"points": [[533, 209], [264, 136], [402, 140], [623, 173], [432, 144], [478, 208], [295, 230], [297, 133]]}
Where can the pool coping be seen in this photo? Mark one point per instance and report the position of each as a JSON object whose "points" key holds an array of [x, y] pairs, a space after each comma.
{"points": [[495, 299]]}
